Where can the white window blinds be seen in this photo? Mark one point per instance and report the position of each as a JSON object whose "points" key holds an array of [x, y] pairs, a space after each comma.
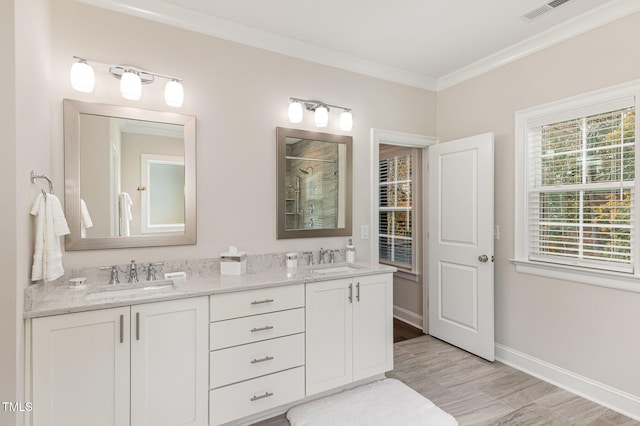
{"points": [[396, 210], [581, 190]]}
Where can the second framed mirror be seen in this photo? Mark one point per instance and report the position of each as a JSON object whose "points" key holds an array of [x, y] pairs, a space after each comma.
{"points": [[314, 184]]}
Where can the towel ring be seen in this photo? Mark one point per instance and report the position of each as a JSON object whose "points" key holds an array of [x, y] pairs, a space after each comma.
{"points": [[34, 176]]}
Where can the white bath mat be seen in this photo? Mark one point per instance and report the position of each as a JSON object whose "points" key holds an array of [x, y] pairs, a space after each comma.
{"points": [[387, 402]]}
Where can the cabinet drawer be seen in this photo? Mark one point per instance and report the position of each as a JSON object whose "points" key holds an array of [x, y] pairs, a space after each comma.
{"points": [[224, 334], [245, 362], [250, 397], [252, 302]]}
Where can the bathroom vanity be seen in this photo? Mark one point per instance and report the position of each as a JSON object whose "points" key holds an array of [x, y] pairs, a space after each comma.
{"points": [[210, 350]]}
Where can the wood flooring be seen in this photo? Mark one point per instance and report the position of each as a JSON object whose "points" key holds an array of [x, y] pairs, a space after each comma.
{"points": [[480, 393], [403, 331]]}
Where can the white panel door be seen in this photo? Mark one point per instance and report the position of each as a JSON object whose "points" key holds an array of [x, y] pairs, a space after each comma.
{"points": [[169, 363], [329, 337], [80, 369], [372, 325], [461, 305]]}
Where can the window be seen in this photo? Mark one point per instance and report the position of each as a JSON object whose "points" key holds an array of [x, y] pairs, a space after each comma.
{"points": [[577, 202], [398, 179]]}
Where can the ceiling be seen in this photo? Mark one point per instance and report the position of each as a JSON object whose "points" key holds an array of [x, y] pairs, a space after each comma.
{"points": [[431, 44]]}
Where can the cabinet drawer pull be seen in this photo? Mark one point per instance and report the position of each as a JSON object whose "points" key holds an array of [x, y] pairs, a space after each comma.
{"points": [[259, 302], [266, 395], [121, 328], [358, 292], [266, 327], [266, 358]]}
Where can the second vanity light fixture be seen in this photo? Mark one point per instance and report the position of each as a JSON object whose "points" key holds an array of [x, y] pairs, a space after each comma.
{"points": [[321, 112], [131, 80]]}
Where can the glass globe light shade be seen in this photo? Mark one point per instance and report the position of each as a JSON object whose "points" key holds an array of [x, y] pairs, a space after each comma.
{"points": [[174, 93], [346, 121], [82, 77], [322, 116], [130, 85], [295, 112]]}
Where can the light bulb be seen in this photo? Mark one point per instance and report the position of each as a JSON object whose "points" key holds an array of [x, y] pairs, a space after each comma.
{"points": [[174, 93], [130, 85], [346, 120], [322, 116], [82, 77], [295, 112]]}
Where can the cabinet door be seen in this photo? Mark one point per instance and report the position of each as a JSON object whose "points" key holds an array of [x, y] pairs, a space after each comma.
{"points": [[329, 340], [372, 325], [169, 363], [80, 369]]}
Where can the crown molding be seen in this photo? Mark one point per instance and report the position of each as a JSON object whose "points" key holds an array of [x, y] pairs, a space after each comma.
{"points": [[581, 24], [191, 20], [221, 28]]}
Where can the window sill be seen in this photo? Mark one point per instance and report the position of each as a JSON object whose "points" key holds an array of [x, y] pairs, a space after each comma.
{"points": [[613, 280]]}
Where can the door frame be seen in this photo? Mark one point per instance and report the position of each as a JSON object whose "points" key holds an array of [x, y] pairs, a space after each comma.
{"points": [[390, 137]]}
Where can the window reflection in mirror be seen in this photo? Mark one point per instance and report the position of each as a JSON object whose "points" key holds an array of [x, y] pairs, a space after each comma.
{"points": [[314, 184], [144, 165]]}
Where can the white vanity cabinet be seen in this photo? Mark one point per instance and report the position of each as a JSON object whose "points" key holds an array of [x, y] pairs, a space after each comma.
{"points": [[136, 365], [349, 330], [257, 353]]}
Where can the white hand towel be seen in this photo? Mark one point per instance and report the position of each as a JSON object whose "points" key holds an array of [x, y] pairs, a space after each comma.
{"points": [[85, 219], [125, 214], [50, 226]]}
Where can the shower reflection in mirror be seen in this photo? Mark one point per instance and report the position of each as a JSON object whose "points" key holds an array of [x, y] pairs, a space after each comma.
{"points": [[313, 186]]}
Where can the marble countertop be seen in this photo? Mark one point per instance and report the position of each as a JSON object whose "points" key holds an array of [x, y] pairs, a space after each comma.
{"points": [[54, 299]]}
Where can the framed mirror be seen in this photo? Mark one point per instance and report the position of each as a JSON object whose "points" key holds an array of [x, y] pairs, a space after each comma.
{"points": [[130, 177], [314, 184]]}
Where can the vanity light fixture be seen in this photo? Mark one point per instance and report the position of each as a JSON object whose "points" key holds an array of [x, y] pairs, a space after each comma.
{"points": [[131, 80], [321, 112]]}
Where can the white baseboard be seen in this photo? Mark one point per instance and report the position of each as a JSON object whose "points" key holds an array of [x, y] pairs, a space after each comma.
{"points": [[615, 399], [407, 316]]}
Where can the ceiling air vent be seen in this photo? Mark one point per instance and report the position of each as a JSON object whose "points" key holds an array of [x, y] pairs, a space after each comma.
{"points": [[541, 10]]}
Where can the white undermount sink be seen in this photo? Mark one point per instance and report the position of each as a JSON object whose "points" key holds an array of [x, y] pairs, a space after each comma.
{"points": [[119, 290], [337, 269]]}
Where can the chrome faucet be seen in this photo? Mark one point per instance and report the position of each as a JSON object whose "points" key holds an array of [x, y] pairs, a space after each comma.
{"points": [[113, 279], [310, 254], [322, 254], [151, 270], [332, 256], [133, 272]]}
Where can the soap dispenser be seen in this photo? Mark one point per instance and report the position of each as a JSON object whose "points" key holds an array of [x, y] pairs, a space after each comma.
{"points": [[351, 251]]}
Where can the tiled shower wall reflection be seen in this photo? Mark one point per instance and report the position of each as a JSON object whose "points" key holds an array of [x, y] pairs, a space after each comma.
{"points": [[316, 204]]}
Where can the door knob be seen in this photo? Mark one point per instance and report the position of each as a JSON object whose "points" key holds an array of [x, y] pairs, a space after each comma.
{"points": [[483, 258]]}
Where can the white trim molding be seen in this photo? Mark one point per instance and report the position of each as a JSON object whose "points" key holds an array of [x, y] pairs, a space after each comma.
{"points": [[610, 397], [192, 20], [581, 24], [408, 317]]}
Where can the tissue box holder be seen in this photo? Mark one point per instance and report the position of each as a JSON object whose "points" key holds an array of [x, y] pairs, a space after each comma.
{"points": [[233, 264]]}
